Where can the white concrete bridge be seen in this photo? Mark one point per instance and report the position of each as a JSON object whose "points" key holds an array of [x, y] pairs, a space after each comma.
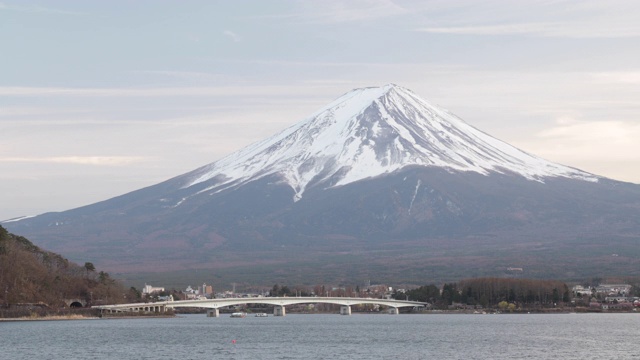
{"points": [[279, 303]]}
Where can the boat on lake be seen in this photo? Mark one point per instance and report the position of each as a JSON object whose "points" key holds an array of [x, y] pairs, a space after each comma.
{"points": [[262, 315], [238, 314]]}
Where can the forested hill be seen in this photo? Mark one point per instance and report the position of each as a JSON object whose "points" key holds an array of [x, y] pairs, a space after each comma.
{"points": [[31, 275]]}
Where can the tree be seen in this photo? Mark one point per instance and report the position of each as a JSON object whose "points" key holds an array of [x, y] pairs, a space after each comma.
{"points": [[450, 293], [29, 274], [427, 293], [104, 277], [89, 267], [134, 295], [555, 297], [280, 291]]}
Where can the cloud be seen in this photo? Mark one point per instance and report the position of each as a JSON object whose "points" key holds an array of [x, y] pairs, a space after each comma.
{"points": [[37, 9], [20, 111], [606, 148], [232, 35], [497, 29], [141, 92], [184, 75], [569, 128], [339, 11], [79, 160], [566, 30], [595, 140], [335, 11], [241, 91], [561, 19], [619, 77]]}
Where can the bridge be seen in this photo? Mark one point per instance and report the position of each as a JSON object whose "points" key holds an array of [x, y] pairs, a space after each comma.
{"points": [[213, 305]]}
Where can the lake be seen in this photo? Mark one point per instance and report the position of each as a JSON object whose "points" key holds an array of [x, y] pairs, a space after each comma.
{"points": [[328, 336]]}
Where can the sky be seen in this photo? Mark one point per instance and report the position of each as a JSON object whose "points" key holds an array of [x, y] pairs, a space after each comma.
{"points": [[100, 98]]}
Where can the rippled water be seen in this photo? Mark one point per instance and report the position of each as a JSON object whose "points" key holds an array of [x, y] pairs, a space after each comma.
{"points": [[360, 336]]}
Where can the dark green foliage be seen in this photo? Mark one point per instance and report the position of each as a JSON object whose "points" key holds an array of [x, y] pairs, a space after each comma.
{"points": [[277, 290], [89, 267], [427, 293], [521, 291], [134, 294], [489, 292], [4, 238], [280, 291], [450, 294]]}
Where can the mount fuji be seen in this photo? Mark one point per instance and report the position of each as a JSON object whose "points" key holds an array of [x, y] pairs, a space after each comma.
{"points": [[379, 183], [370, 132]]}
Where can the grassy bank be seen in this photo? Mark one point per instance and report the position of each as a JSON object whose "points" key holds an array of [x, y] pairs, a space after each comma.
{"points": [[30, 313]]}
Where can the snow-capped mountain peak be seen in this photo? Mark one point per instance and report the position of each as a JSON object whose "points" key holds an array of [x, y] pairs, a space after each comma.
{"points": [[369, 132]]}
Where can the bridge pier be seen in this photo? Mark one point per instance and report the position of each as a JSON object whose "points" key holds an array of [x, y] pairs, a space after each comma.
{"points": [[345, 310], [279, 310], [213, 312], [393, 311]]}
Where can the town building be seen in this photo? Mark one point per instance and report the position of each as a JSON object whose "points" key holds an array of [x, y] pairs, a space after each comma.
{"points": [[613, 289], [148, 289]]}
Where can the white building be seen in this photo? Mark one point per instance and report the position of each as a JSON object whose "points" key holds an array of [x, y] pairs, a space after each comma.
{"points": [[148, 289], [581, 290], [613, 289]]}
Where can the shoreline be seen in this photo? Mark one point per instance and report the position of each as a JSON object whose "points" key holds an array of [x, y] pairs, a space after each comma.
{"points": [[428, 312], [51, 318], [80, 317]]}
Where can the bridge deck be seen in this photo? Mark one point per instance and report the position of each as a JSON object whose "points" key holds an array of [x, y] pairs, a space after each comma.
{"points": [[276, 301]]}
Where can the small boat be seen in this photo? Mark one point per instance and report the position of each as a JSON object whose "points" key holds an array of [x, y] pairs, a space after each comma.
{"points": [[238, 314], [262, 315]]}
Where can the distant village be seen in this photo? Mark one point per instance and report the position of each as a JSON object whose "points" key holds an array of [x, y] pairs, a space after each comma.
{"points": [[604, 297], [207, 292]]}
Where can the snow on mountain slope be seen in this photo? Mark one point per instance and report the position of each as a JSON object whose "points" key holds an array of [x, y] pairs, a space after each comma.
{"points": [[369, 132]]}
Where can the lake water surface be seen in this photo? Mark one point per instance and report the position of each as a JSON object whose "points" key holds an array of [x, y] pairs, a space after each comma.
{"points": [[360, 336]]}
